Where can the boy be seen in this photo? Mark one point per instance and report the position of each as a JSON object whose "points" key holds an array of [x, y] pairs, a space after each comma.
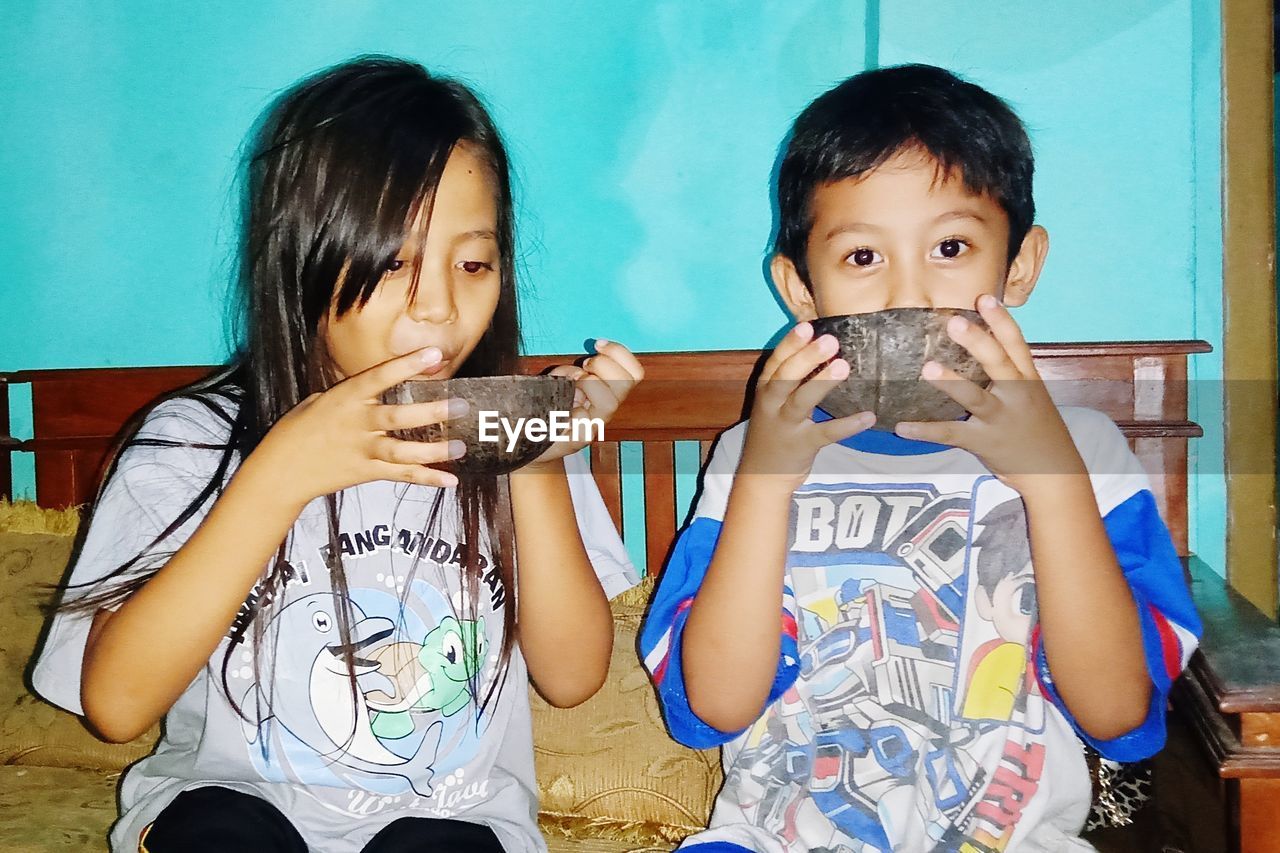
{"points": [[901, 638]]}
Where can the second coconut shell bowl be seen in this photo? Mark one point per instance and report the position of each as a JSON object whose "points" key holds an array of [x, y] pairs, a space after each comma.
{"points": [[886, 351]]}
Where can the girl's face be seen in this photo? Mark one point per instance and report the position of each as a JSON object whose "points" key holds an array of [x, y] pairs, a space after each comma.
{"points": [[458, 287]]}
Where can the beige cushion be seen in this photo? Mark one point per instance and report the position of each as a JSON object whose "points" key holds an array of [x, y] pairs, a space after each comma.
{"points": [[32, 731], [55, 808], [608, 766]]}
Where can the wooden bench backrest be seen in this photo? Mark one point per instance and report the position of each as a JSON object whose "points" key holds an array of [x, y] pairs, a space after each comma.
{"points": [[686, 397]]}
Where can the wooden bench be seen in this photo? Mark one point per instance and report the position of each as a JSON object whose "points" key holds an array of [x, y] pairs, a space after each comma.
{"points": [[1230, 703]]}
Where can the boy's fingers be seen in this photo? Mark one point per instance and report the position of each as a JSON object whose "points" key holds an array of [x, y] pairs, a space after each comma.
{"points": [[812, 392], [1008, 334], [370, 384], [841, 428], [938, 432], [982, 346], [798, 368], [394, 416], [791, 343], [976, 400]]}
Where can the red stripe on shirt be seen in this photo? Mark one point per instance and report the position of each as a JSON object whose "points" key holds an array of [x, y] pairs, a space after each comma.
{"points": [[1169, 645]]}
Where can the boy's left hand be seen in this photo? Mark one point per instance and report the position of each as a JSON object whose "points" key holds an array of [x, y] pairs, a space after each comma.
{"points": [[601, 384], [1014, 426]]}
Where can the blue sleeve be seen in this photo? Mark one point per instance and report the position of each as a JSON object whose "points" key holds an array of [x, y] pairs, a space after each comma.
{"points": [[1170, 627], [663, 631]]}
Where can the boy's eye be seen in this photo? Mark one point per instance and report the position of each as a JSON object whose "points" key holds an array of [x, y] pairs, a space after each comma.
{"points": [[474, 267], [395, 265], [951, 248], [864, 257]]}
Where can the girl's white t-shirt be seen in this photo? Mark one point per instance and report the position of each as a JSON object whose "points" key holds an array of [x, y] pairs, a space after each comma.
{"points": [[285, 725]]}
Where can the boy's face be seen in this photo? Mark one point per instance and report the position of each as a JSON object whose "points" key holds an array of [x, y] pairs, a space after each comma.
{"points": [[905, 236]]}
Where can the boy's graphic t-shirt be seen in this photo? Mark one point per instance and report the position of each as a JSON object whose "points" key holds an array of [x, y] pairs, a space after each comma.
{"points": [[414, 739], [913, 708]]}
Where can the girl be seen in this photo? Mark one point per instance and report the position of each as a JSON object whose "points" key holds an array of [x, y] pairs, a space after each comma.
{"points": [[330, 626]]}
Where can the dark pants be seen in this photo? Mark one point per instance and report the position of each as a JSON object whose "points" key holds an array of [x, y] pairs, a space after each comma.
{"points": [[218, 820]]}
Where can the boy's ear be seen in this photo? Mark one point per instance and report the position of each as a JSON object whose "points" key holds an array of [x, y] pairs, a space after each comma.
{"points": [[794, 292], [1024, 272]]}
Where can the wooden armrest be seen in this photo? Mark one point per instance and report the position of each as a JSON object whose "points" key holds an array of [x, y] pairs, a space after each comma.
{"points": [[1231, 692]]}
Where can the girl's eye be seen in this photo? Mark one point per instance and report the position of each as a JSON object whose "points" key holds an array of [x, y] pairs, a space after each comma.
{"points": [[864, 257], [951, 248], [474, 267], [395, 265]]}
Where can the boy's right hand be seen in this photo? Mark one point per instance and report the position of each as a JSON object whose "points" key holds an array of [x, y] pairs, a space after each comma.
{"points": [[338, 438], [782, 437]]}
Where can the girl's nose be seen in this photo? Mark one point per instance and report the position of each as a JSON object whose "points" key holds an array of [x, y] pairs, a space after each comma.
{"points": [[433, 303]]}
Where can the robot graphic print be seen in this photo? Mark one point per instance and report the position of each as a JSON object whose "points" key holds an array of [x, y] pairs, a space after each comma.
{"points": [[916, 703]]}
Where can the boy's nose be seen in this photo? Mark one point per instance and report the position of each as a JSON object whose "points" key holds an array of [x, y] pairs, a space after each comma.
{"points": [[909, 290]]}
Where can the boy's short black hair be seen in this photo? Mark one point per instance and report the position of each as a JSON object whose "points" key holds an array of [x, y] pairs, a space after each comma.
{"points": [[870, 117]]}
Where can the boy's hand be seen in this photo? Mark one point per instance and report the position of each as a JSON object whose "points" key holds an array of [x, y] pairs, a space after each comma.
{"points": [[1014, 426], [602, 382], [782, 437]]}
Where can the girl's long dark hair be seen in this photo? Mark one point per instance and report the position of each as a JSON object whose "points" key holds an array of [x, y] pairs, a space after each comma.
{"points": [[337, 171]]}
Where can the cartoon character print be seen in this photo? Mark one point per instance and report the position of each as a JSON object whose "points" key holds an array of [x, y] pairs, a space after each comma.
{"points": [[915, 611], [432, 676], [1004, 597], [386, 737]]}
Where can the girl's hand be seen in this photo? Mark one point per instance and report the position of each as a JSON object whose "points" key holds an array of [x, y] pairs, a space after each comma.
{"points": [[338, 438], [1014, 426], [602, 382], [782, 437]]}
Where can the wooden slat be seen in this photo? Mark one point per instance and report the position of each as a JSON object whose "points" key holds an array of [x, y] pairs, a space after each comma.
{"points": [[7, 441], [659, 502], [704, 450], [59, 481], [607, 468]]}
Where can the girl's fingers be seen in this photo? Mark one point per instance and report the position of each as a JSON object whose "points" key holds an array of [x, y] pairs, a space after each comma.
{"points": [[601, 401], [571, 371], [419, 475], [387, 417], [370, 384], [604, 369], [1008, 333], [791, 343], [841, 428], [976, 400], [985, 348], [622, 356], [811, 392], [395, 450]]}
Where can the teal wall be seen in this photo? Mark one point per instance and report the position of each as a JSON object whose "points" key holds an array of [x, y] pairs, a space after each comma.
{"points": [[643, 136]]}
